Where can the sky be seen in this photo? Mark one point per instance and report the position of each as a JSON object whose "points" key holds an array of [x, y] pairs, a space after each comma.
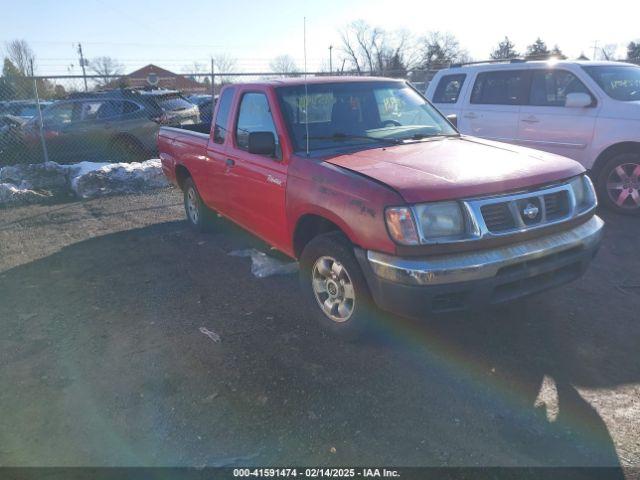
{"points": [[175, 34]]}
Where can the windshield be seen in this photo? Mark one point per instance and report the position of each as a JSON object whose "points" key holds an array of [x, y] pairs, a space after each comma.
{"points": [[619, 82], [358, 113], [174, 103]]}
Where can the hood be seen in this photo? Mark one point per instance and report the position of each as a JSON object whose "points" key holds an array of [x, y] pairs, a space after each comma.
{"points": [[621, 110], [458, 167]]}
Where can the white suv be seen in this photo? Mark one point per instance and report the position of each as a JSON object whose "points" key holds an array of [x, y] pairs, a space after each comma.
{"points": [[588, 111]]}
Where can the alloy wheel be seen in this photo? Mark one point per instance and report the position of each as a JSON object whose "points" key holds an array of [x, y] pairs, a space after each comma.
{"points": [[333, 289], [623, 186], [192, 206]]}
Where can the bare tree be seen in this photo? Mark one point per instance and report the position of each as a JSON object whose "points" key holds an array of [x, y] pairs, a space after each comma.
{"points": [[196, 68], [362, 44], [22, 56], [107, 68], [373, 50], [283, 64], [224, 63], [608, 52]]}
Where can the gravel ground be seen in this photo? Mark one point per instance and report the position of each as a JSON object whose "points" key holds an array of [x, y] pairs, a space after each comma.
{"points": [[102, 361]]}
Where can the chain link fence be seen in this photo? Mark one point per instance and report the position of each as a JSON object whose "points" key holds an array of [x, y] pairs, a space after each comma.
{"points": [[72, 118]]}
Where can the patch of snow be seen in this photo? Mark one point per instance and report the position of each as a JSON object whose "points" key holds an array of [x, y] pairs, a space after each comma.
{"points": [[13, 195], [262, 265], [78, 169], [50, 177], [99, 180], [84, 179]]}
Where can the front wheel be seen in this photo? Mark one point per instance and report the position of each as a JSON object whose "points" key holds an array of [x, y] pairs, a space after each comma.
{"points": [[619, 183], [334, 286]]}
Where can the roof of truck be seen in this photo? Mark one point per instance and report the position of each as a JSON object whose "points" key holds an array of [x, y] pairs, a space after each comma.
{"points": [[526, 64], [278, 82]]}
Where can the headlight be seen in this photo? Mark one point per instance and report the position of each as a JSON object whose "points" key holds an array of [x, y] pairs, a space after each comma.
{"points": [[401, 225], [425, 222], [443, 219], [583, 192]]}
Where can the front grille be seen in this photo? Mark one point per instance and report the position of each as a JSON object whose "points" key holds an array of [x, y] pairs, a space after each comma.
{"points": [[556, 205], [498, 217], [524, 211]]}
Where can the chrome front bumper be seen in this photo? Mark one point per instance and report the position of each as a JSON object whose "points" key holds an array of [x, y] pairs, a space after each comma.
{"points": [[463, 267]]}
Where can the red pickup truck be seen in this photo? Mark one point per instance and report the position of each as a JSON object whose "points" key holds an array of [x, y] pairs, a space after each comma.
{"points": [[381, 200]]}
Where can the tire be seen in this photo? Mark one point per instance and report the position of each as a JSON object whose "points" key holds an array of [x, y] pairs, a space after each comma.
{"points": [[619, 183], [329, 272], [199, 216], [127, 150]]}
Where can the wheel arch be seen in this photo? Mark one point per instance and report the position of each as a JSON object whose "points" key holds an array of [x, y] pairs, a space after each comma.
{"points": [[182, 173], [610, 152], [310, 225], [118, 137]]}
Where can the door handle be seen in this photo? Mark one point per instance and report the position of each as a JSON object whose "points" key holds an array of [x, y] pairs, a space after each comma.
{"points": [[230, 162], [530, 119], [470, 115]]}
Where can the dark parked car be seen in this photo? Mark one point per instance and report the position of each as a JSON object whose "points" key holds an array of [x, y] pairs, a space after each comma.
{"points": [[11, 139], [92, 128], [118, 125], [25, 109], [205, 104], [176, 109]]}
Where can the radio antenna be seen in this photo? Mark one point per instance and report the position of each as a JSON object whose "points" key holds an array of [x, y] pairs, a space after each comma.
{"points": [[306, 91]]}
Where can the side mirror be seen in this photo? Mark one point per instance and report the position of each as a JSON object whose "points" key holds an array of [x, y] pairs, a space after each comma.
{"points": [[262, 143], [453, 119], [577, 100]]}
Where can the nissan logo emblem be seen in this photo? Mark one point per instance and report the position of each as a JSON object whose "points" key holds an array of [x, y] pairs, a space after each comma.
{"points": [[530, 211]]}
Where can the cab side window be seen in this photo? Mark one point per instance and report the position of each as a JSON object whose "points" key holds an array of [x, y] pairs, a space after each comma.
{"points": [[549, 88], [448, 89], [504, 87], [254, 116]]}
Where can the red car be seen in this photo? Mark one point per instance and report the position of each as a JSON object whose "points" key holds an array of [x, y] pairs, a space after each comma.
{"points": [[381, 200]]}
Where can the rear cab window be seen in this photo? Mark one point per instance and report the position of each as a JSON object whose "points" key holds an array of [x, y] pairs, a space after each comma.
{"points": [[448, 89], [222, 116], [501, 87]]}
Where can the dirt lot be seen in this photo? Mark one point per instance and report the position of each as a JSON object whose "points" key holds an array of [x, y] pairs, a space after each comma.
{"points": [[102, 361]]}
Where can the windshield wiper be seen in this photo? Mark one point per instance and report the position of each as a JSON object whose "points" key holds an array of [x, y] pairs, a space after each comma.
{"points": [[338, 137], [422, 136]]}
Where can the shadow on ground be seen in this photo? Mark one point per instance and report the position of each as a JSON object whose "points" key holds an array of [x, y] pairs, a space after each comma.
{"points": [[102, 363]]}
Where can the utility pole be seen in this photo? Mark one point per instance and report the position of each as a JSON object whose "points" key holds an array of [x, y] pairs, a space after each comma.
{"points": [[595, 49], [213, 79], [330, 59], [82, 64], [45, 153]]}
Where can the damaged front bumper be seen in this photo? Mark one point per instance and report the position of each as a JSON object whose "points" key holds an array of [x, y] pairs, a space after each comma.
{"points": [[416, 286]]}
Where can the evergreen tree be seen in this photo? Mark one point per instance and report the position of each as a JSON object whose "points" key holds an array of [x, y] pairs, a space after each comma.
{"points": [[505, 50], [557, 53], [633, 52], [12, 83], [537, 50]]}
